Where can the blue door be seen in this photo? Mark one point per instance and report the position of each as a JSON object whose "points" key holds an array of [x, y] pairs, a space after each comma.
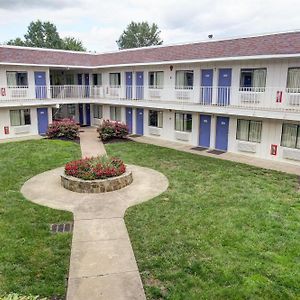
{"points": [[42, 114], [81, 114], [224, 87], [204, 135], [79, 79], [128, 85], [206, 84], [140, 121], [87, 85], [40, 85], [222, 133], [129, 118], [88, 114], [139, 85]]}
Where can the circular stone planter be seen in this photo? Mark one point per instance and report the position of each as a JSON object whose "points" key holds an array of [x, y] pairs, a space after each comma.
{"points": [[78, 185]]}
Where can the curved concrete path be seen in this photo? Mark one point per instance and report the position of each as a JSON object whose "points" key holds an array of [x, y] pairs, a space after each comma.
{"points": [[102, 263]]}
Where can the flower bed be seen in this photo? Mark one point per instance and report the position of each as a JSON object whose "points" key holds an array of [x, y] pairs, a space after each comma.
{"points": [[96, 175], [112, 130], [100, 167], [65, 129]]}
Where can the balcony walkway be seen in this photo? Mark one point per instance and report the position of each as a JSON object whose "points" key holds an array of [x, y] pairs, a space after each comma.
{"points": [[253, 161]]}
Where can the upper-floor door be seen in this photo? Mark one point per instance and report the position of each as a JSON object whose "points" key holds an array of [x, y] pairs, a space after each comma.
{"points": [[40, 85], [206, 86], [128, 82], [224, 87], [139, 85]]}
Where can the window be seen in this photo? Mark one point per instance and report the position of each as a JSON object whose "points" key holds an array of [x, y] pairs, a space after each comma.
{"points": [[114, 79], [115, 113], [156, 118], [71, 110], [249, 130], [184, 79], [156, 80], [183, 122], [17, 79], [20, 117], [290, 136], [97, 111], [253, 79], [293, 80], [97, 79]]}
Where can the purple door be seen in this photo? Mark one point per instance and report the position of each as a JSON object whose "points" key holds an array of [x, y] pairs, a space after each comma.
{"points": [[222, 133], [224, 87], [140, 121], [139, 85], [204, 134], [128, 85], [42, 120], [40, 85], [129, 118], [206, 86]]}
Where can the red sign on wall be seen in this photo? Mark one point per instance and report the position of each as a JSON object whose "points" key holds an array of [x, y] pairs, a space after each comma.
{"points": [[274, 149], [279, 96], [6, 130]]}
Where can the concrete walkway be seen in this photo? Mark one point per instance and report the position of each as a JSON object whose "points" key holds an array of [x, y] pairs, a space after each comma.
{"points": [[262, 163], [90, 144], [102, 264]]}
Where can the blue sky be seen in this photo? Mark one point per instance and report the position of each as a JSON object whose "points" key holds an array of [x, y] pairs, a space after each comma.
{"points": [[99, 23]]}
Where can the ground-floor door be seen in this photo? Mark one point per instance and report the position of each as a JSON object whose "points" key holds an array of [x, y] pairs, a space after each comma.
{"points": [[42, 114], [139, 121], [204, 134], [88, 114], [222, 133], [80, 114], [129, 118]]}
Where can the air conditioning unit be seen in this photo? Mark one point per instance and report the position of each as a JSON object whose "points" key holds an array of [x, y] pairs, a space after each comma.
{"points": [[22, 129], [293, 154], [154, 131], [182, 136], [294, 99], [251, 98], [154, 94], [183, 94], [246, 146]]}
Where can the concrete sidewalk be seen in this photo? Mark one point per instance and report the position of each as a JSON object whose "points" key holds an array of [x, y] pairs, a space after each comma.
{"points": [[90, 143], [262, 163]]}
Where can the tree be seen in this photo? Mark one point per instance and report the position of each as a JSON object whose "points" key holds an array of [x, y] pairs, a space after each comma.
{"points": [[71, 43], [139, 34], [45, 35]]}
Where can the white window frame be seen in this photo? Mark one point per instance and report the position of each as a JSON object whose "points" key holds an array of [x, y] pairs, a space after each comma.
{"points": [[185, 84], [116, 113], [156, 84], [115, 77], [159, 118], [250, 137], [22, 121], [182, 119], [98, 111]]}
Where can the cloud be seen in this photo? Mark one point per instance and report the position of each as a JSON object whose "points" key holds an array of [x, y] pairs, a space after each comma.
{"points": [[28, 4], [99, 23]]}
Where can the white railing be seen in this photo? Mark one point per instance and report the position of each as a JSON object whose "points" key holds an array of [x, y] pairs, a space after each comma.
{"points": [[258, 97]]}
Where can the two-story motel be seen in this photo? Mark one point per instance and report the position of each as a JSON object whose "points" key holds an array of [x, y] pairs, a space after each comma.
{"points": [[240, 95]]}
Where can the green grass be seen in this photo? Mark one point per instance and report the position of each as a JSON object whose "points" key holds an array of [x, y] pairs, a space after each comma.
{"points": [[222, 230], [32, 260]]}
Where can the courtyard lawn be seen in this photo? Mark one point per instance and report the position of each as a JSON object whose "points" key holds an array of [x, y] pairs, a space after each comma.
{"points": [[32, 260], [222, 230]]}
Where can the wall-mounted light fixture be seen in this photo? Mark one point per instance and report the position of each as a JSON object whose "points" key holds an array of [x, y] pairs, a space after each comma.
{"points": [[171, 68]]}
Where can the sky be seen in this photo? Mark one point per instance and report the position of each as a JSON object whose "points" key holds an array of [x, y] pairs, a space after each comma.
{"points": [[100, 23]]}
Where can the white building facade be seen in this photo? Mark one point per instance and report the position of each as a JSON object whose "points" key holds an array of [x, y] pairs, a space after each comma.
{"points": [[240, 95]]}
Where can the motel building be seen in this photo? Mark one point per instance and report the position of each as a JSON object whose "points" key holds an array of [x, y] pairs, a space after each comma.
{"points": [[238, 95]]}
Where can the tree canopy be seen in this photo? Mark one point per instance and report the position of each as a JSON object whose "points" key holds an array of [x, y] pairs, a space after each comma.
{"points": [[140, 34], [45, 35]]}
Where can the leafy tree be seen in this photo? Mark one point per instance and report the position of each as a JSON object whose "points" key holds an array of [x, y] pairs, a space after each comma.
{"points": [[45, 35], [139, 34], [71, 43]]}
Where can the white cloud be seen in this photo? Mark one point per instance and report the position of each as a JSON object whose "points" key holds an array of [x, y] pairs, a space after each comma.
{"points": [[99, 23]]}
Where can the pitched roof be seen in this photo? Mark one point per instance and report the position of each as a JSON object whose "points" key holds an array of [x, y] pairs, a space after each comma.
{"points": [[265, 45]]}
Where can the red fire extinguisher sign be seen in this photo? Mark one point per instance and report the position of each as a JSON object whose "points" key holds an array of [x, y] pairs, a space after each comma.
{"points": [[6, 130], [279, 96], [274, 149]]}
